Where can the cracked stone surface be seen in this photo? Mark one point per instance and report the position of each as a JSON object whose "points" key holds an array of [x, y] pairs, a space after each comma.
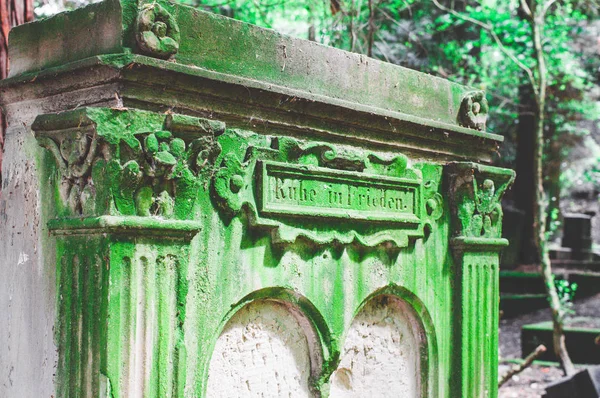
{"points": [[381, 353], [262, 352]]}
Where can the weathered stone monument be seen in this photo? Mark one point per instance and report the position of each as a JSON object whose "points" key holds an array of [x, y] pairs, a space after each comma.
{"points": [[193, 206]]}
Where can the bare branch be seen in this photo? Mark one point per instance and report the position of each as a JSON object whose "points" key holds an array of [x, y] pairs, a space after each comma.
{"points": [[379, 46], [526, 9], [519, 368], [393, 20], [522, 108], [409, 32], [461, 16], [546, 8], [521, 65]]}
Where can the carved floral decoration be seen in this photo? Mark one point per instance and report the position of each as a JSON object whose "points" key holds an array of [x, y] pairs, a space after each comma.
{"points": [[476, 192], [356, 194], [148, 173]]}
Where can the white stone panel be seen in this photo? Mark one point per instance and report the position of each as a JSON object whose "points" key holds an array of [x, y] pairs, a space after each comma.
{"points": [[381, 353], [262, 352]]}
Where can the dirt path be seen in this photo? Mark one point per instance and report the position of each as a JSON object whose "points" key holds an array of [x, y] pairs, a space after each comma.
{"points": [[510, 329], [531, 382]]}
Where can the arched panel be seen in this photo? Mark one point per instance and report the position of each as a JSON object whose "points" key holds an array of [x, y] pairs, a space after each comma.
{"points": [[267, 349], [383, 352]]}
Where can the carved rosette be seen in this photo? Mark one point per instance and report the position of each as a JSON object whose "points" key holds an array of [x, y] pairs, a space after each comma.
{"points": [[324, 192]]}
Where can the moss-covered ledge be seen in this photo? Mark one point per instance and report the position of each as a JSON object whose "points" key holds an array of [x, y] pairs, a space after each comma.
{"points": [[258, 77], [125, 225], [218, 44]]}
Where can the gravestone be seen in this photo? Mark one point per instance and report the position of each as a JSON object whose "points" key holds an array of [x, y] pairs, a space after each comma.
{"points": [[577, 236], [194, 206]]}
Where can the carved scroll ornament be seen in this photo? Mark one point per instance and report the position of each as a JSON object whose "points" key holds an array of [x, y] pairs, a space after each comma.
{"points": [[324, 192], [475, 197], [473, 111]]}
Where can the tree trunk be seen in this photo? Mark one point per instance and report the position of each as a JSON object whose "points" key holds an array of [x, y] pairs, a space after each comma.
{"points": [[371, 29], [539, 205], [552, 161], [351, 26]]}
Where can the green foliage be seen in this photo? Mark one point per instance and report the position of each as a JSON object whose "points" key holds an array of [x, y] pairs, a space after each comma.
{"points": [[297, 18], [566, 293], [554, 222], [480, 60]]}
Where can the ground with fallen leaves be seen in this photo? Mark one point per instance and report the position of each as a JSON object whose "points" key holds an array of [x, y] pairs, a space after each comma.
{"points": [[532, 381]]}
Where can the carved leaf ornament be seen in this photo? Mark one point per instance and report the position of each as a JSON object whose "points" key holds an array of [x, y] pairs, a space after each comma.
{"points": [[475, 192], [144, 173], [160, 174], [292, 188]]}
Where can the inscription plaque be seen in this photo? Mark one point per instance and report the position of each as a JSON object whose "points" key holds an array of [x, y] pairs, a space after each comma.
{"points": [[319, 192]]}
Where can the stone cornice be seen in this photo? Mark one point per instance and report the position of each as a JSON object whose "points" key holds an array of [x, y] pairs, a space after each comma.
{"points": [[263, 76], [197, 39], [141, 82]]}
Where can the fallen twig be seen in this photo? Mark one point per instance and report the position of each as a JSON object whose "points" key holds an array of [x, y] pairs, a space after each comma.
{"points": [[516, 369]]}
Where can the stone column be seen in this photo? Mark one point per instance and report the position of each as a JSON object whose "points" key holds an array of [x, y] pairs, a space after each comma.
{"points": [[125, 185], [475, 192]]}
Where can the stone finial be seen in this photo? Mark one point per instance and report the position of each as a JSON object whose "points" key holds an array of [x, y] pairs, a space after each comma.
{"points": [[157, 32], [473, 111]]}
